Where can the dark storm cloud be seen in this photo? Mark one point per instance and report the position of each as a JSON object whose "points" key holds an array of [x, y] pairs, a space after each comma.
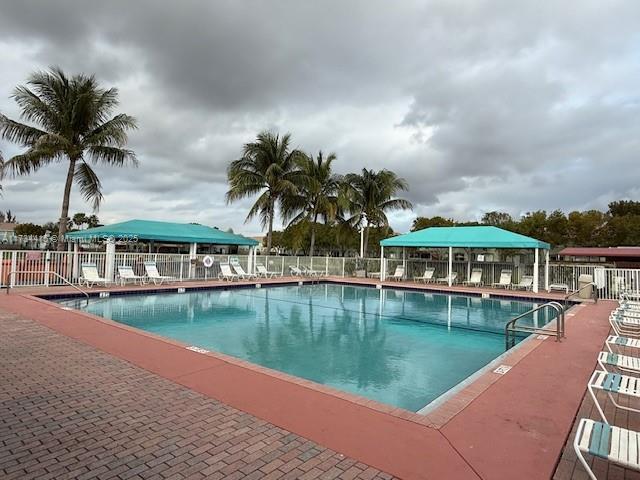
{"points": [[481, 105]]}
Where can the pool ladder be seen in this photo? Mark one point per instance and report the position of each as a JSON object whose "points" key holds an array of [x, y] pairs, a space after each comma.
{"points": [[511, 328], [12, 279]]}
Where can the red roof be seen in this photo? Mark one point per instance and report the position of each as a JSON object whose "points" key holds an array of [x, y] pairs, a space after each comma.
{"points": [[601, 251]]}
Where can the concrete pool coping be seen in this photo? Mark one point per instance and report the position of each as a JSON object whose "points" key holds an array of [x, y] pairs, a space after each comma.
{"points": [[360, 427]]}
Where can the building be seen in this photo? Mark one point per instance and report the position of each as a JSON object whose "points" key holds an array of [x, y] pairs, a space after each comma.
{"points": [[621, 257], [7, 233]]}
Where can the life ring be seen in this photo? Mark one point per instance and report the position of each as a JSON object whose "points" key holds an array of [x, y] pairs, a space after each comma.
{"points": [[207, 261]]}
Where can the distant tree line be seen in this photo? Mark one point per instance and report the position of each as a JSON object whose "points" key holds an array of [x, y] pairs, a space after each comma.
{"points": [[619, 226], [78, 221]]}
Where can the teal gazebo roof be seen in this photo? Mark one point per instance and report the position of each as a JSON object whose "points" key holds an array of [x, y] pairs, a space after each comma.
{"points": [[163, 232], [464, 237]]}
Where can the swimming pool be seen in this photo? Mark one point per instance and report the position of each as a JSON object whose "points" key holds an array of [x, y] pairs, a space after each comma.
{"points": [[403, 348]]}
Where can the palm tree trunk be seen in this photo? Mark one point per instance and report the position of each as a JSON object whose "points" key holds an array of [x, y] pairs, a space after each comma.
{"points": [[366, 239], [64, 215], [313, 235], [270, 232]]}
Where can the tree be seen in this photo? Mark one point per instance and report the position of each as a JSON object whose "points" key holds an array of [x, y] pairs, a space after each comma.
{"points": [[497, 219], [7, 217], [267, 168], [27, 229], [316, 196], [421, 223], [621, 208], [369, 195], [74, 124]]}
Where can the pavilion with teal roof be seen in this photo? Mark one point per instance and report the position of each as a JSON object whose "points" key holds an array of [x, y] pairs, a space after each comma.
{"points": [[482, 237]]}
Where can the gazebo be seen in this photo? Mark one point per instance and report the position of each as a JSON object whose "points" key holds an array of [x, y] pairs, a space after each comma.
{"points": [[479, 237], [135, 230]]}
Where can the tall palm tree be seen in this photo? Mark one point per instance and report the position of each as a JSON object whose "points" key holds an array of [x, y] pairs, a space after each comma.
{"points": [[268, 168], [367, 197], [74, 125], [316, 196]]}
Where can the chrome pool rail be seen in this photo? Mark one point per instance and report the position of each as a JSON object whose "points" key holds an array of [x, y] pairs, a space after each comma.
{"points": [[12, 275], [510, 329]]}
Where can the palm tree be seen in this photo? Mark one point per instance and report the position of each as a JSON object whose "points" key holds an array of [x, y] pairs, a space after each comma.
{"points": [[268, 168], [316, 196], [74, 125], [369, 195]]}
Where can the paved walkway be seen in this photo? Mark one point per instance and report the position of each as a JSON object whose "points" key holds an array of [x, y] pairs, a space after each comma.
{"points": [[68, 410]]}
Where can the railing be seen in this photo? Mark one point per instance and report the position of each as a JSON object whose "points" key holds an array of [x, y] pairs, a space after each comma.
{"points": [[510, 329], [612, 281], [594, 293], [64, 280]]}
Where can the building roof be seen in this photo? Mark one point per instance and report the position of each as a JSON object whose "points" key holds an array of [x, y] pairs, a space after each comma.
{"points": [[162, 231], [620, 252], [7, 227], [467, 237]]}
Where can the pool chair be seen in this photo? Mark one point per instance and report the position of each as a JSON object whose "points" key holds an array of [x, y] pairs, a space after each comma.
{"points": [[454, 277], [295, 271], [614, 444], [398, 274], [475, 279], [154, 276], [615, 385], [427, 276], [241, 273], [526, 283], [90, 276], [126, 274], [264, 273], [626, 312], [619, 343], [625, 326], [618, 361], [227, 274], [505, 279]]}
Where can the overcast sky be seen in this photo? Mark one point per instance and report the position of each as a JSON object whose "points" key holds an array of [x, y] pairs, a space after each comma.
{"points": [[480, 104]]}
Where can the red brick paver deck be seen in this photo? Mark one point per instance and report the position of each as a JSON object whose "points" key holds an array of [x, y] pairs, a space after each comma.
{"points": [[68, 410]]}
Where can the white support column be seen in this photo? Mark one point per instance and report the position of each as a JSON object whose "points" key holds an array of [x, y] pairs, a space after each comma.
{"points": [[468, 264], [546, 270], [47, 267], [536, 267], [255, 259], [404, 261], [193, 253], [450, 265], [383, 274], [250, 261], [110, 259]]}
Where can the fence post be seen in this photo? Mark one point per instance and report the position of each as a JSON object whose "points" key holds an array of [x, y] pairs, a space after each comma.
{"points": [[12, 279], [47, 267], [326, 266], [343, 261], [282, 266], [181, 265]]}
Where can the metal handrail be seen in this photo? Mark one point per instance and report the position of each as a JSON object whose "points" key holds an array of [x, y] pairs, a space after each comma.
{"points": [[511, 324], [12, 275], [594, 294]]}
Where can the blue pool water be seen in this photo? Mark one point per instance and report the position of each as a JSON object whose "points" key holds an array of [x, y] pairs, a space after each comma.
{"points": [[398, 347]]}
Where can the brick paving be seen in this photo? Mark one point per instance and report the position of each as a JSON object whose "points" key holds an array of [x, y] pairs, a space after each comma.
{"points": [[68, 410]]}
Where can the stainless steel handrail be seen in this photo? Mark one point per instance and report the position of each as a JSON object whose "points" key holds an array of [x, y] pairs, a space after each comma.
{"points": [[594, 294], [12, 278], [511, 324]]}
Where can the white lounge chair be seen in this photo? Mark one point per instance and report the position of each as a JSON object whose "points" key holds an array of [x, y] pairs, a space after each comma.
{"points": [[90, 276], [263, 272], [427, 276], [526, 283], [241, 273], [398, 274], [313, 273], [295, 271], [454, 277], [154, 276], [475, 279], [615, 444], [505, 279], [619, 342], [618, 361], [227, 274], [614, 384], [125, 274], [625, 326]]}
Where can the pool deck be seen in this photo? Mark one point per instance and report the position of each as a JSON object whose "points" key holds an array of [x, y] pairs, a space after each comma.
{"points": [[496, 427]]}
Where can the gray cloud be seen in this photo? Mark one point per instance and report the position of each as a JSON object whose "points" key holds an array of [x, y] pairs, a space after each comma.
{"points": [[481, 105]]}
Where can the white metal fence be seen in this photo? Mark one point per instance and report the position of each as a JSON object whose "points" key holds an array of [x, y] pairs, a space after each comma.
{"points": [[32, 267]]}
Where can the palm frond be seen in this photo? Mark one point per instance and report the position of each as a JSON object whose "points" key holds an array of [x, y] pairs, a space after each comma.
{"points": [[20, 133], [114, 156], [89, 183]]}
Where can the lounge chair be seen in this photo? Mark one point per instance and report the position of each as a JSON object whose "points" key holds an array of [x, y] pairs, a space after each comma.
{"points": [[622, 342], [625, 326], [263, 272], [526, 283], [613, 383], [226, 273], [618, 361], [615, 444], [154, 276], [427, 276], [295, 271], [90, 275], [505, 279], [398, 274], [241, 273], [454, 277], [475, 279], [312, 273], [125, 274]]}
